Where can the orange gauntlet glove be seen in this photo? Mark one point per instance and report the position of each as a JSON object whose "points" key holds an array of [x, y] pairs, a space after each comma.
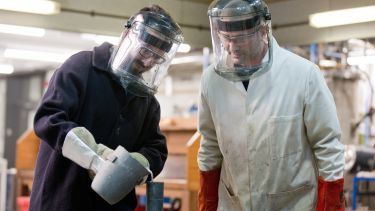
{"points": [[208, 193], [330, 195]]}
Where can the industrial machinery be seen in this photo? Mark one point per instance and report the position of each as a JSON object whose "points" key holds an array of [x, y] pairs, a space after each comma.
{"points": [[359, 158]]}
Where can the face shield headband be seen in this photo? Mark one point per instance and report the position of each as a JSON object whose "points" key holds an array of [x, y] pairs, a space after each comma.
{"points": [[239, 25], [155, 41]]}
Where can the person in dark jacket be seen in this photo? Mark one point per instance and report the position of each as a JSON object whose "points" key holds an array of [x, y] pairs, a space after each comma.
{"points": [[109, 91]]}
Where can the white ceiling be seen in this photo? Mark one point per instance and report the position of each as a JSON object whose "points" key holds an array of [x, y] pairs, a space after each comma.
{"points": [[289, 19]]}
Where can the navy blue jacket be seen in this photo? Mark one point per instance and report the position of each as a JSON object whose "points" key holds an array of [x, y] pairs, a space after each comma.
{"points": [[83, 92]]}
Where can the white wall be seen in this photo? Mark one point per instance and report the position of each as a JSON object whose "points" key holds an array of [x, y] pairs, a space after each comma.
{"points": [[2, 115], [181, 98], [178, 104], [35, 92]]}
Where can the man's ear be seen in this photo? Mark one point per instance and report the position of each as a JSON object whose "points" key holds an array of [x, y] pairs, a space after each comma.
{"points": [[264, 33]]}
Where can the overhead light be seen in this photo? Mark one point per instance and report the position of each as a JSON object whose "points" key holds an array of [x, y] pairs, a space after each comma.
{"points": [[361, 60], [103, 38], [22, 30], [31, 6], [187, 59], [327, 63], [357, 42], [36, 55], [6, 69], [361, 52], [184, 48], [99, 39], [342, 17]]}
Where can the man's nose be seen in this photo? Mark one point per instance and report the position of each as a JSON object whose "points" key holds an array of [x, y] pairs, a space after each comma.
{"points": [[149, 62], [233, 45]]}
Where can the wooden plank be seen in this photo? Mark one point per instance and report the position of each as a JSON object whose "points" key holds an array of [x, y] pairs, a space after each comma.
{"points": [[176, 141], [193, 170], [27, 150]]}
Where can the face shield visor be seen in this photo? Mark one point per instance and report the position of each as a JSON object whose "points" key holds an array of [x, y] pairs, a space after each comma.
{"points": [[241, 37], [144, 54]]}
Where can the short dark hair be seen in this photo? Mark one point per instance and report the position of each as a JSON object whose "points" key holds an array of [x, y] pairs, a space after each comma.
{"points": [[155, 8], [158, 19]]}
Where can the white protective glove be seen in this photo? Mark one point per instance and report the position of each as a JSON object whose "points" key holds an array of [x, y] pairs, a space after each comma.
{"points": [[103, 151], [85, 135], [87, 138], [79, 152]]}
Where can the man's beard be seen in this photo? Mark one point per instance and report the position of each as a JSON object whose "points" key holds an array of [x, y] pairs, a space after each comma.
{"points": [[250, 57]]}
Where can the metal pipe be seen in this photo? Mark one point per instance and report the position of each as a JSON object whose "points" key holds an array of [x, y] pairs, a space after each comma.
{"points": [[155, 196]]}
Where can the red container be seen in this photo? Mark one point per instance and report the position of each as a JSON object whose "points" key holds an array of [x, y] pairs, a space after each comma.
{"points": [[23, 203]]}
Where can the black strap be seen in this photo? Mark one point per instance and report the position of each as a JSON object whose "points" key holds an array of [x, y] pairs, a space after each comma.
{"points": [[238, 25], [155, 41]]}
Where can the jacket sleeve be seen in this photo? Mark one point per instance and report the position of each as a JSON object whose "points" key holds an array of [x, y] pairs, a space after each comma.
{"points": [[323, 133], [61, 102], [209, 158], [154, 147], [209, 155], [322, 126]]}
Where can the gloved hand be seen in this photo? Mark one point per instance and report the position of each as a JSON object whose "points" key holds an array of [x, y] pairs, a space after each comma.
{"points": [[86, 137], [143, 161], [103, 151], [330, 195], [208, 192]]}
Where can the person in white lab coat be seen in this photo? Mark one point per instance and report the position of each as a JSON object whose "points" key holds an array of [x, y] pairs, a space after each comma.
{"points": [[270, 132]]}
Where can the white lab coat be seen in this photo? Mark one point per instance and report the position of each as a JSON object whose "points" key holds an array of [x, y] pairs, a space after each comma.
{"points": [[273, 140]]}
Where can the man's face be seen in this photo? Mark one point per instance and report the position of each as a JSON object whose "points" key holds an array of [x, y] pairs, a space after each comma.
{"points": [[147, 57], [244, 47]]}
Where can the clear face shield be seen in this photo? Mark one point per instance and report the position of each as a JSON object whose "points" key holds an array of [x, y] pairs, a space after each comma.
{"points": [[241, 38], [142, 58]]}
